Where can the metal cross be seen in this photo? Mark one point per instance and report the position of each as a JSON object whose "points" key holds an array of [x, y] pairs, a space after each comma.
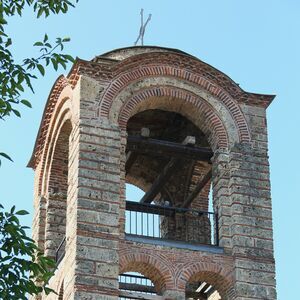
{"points": [[142, 28]]}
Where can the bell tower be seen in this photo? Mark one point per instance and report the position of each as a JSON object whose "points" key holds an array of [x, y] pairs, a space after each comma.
{"points": [[194, 142]]}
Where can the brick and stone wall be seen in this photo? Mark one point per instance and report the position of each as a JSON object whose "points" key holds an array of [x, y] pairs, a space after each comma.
{"points": [[86, 177]]}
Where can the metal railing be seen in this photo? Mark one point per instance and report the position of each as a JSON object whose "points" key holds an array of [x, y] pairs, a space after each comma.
{"points": [[135, 286], [60, 252], [171, 223]]}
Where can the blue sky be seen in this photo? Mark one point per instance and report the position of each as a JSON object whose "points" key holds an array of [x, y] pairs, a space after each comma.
{"points": [[256, 43]]}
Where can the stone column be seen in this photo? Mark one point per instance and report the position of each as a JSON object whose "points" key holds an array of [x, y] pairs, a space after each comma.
{"points": [[251, 223], [221, 197], [94, 201]]}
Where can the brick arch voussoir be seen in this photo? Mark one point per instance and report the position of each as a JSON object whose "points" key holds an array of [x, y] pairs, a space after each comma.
{"points": [[143, 71], [54, 97], [221, 277], [211, 124], [150, 265]]}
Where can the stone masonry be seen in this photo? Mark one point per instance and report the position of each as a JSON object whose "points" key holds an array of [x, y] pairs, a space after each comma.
{"points": [[79, 161]]}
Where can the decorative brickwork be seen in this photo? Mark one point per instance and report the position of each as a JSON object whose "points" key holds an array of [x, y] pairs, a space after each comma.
{"points": [[81, 161]]}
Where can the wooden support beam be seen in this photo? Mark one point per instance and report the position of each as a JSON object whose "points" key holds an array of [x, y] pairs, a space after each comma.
{"points": [[130, 159], [211, 291], [167, 172], [206, 286], [156, 147], [136, 287], [135, 295], [201, 184], [159, 182], [151, 209], [196, 295]]}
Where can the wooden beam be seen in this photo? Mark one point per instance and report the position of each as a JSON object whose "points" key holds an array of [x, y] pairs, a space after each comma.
{"points": [[134, 287], [201, 184], [135, 295], [150, 209], [207, 285], [165, 148], [159, 182], [196, 295], [211, 291], [167, 172], [130, 159]]}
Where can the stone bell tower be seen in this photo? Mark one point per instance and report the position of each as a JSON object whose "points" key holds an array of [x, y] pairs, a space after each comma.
{"points": [[177, 128]]}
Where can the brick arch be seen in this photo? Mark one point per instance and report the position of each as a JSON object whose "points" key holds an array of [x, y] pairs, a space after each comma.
{"points": [[50, 144], [199, 111], [58, 89], [143, 71], [152, 266], [59, 110], [218, 276]]}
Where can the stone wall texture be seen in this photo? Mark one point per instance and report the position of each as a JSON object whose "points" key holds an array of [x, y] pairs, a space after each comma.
{"points": [[79, 162]]}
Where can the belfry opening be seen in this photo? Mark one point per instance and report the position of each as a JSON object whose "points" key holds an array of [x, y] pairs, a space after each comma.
{"points": [[168, 157]]}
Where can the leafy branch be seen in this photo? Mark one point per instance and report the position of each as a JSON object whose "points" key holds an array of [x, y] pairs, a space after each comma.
{"points": [[14, 76], [18, 274]]}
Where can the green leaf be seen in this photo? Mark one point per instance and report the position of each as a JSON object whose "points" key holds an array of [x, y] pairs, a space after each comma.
{"points": [[40, 12], [38, 44], [6, 156], [22, 212], [26, 103], [69, 58], [54, 63], [8, 42], [16, 112], [12, 209], [41, 69]]}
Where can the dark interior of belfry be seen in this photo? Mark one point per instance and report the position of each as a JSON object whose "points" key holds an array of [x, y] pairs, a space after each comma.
{"points": [[169, 158]]}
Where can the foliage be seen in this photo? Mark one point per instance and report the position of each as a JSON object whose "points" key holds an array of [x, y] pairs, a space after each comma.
{"points": [[23, 269], [15, 76]]}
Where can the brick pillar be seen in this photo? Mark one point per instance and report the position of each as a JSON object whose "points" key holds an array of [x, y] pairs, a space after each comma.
{"points": [[93, 231], [251, 223], [221, 197]]}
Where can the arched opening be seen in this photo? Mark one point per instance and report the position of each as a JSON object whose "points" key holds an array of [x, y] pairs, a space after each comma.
{"points": [[201, 291], [148, 273], [56, 206], [208, 285], [168, 157], [135, 284]]}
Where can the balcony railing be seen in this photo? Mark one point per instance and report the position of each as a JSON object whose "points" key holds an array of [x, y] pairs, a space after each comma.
{"points": [[171, 223], [133, 286], [60, 252]]}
